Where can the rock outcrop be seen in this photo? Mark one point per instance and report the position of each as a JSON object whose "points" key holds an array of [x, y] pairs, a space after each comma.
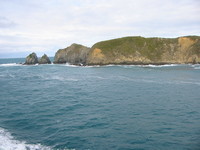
{"points": [[44, 60], [140, 50], [31, 59], [75, 54]]}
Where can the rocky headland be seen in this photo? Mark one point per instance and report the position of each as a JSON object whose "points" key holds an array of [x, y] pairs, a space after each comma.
{"points": [[75, 54], [140, 50], [129, 50]]}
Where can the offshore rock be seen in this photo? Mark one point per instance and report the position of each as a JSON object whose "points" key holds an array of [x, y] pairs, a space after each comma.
{"points": [[140, 50], [44, 60], [75, 54], [31, 59]]}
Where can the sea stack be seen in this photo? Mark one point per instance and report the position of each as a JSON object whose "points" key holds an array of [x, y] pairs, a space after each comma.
{"points": [[31, 59], [44, 60]]}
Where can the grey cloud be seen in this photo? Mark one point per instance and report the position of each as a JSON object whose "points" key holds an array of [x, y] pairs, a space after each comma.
{"points": [[6, 23]]}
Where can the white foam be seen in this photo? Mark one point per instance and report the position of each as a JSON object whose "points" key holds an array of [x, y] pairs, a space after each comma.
{"points": [[130, 66], [197, 66], [93, 66], [69, 65], [166, 65], [111, 65], [10, 65], [7, 142]]}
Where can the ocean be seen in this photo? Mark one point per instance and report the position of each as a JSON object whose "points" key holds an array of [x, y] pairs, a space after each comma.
{"points": [[127, 107]]}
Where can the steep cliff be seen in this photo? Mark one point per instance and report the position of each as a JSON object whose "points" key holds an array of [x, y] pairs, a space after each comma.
{"points": [[74, 54], [140, 50]]}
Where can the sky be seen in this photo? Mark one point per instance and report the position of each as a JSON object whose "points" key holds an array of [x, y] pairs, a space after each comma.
{"points": [[44, 26]]}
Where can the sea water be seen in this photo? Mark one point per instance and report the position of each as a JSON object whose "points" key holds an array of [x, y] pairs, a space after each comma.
{"points": [[45, 107]]}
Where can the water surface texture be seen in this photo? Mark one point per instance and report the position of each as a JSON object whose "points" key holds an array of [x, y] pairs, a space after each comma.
{"points": [[99, 108]]}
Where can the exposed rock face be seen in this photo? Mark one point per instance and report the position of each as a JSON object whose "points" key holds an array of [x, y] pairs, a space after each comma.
{"points": [[139, 50], [74, 54], [44, 60], [31, 59]]}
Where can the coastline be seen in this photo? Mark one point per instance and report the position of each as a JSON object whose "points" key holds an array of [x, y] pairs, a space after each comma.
{"points": [[130, 63], [101, 65]]}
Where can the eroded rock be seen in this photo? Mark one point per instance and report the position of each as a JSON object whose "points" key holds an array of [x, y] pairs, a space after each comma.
{"points": [[31, 59]]}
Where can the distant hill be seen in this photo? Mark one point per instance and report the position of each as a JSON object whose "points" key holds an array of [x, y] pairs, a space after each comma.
{"points": [[134, 50], [140, 50]]}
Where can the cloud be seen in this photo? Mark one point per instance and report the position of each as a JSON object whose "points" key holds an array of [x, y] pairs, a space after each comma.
{"points": [[6, 23], [45, 26]]}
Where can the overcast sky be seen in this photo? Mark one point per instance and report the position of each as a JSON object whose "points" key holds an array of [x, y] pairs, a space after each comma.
{"points": [[44, 26]]}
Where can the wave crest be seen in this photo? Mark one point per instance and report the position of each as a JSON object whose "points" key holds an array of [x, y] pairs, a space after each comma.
{"points": [[10, 65], [7, 142]]}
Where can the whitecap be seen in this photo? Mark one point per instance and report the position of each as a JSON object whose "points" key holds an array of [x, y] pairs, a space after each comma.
{"points": [[10, 65], [166, 65], [93, 66], [111, 65], [7, 142], [70, 65], [197, 66]]}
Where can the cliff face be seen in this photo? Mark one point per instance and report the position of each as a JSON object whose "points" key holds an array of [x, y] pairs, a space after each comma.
{"points": [[74, 54], [139, 50]]}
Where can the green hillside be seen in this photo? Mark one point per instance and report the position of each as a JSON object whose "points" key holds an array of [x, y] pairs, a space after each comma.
{"points": [[146, 50]]}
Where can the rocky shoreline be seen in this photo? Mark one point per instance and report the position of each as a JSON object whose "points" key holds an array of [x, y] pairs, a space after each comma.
{"points": [[127, 51]]}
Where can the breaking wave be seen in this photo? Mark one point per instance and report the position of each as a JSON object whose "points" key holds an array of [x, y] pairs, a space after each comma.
{"points": [[10, 65], [196, 66], [70, 65], [8, 142], [167, 65]]}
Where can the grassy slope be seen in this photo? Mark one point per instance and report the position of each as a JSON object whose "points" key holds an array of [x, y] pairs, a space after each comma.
{"points": [[150, 48]]}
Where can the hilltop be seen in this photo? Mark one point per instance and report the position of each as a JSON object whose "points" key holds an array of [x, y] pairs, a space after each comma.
{"points": [[140, 50]]}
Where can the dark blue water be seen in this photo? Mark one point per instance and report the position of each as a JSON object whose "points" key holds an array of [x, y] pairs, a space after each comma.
{"points": [[99, 108]]}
